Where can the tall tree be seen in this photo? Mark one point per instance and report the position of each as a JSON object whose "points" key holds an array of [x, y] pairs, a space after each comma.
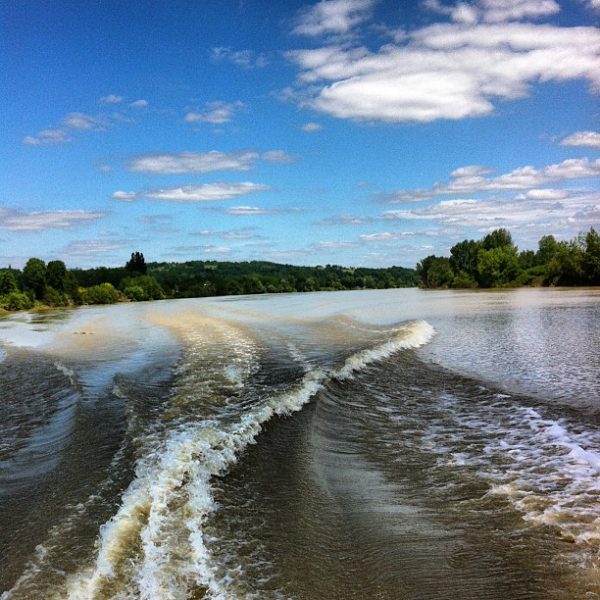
{"points": [[56, 273], [8, 283], [34, 277], [137, 263]]}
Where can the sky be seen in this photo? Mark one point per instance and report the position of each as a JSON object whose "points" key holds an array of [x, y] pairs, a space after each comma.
{"points": [[349, 132]]}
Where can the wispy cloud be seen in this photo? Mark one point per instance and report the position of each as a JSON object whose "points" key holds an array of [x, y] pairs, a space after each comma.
{"points": [[204, 162], [91, 248], [586, 139], [207, 192], [141, 103], [242, 58], [256, 210], [311, 127], [19, 221], [79, 120], [111, 99], [124, 196], [47, 136], [216, 113], [244, 233], [345, 220], [193, 162]]}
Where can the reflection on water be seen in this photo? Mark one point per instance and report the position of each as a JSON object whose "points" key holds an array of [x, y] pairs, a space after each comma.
{"points": [[304, 446]]}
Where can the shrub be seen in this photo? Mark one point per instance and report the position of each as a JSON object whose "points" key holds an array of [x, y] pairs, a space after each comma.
{"points": [[104, 293], [16, 301]]}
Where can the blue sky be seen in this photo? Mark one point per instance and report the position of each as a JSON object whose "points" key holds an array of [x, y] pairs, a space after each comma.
{"points": [[353, 132]]}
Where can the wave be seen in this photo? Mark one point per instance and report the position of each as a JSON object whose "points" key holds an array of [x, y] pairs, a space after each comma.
{"points": [[155, 545]]}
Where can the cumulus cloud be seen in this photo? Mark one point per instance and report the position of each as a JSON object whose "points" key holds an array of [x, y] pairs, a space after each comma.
{"points": [[242, 58], [216, 113], [19, 221], [193, 162], [587, 139], [575, 212], [449, 70], [207, 192], [474, 179], [335, 17]]}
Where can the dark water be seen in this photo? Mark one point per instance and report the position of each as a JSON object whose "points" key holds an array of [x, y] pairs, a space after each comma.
{"points": [[389, 444]]}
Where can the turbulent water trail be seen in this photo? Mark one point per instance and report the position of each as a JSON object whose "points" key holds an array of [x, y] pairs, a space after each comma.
{"points": [[154, 546], [149, 452]]}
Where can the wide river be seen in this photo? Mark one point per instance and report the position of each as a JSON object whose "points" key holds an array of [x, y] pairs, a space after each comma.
{"points": [[391, 444]]}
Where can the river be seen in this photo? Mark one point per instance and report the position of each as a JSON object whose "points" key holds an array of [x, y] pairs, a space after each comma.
{"points": [[388, 444]]}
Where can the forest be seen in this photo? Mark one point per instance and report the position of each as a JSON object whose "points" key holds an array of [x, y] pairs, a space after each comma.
{"points": [[495, 262], [53, 284]]}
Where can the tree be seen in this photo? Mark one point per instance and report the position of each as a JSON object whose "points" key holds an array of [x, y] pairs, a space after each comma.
{"points": [[8, 283], [435, 272], [547, 248], [499, 238], [591, 258], [34, 277], [463, 257], [137, 263], [56, 274], [497, 266]]}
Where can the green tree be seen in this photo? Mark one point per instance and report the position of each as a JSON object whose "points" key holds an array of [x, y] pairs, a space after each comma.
{"points": [[34, 277], [137, 263], [435, 272], [547, 249], [8, 282], [499, 238], [591, 258], [497, 266], [150, 289], [104, 293], [56, 274], [463, 257], [16, 300]]}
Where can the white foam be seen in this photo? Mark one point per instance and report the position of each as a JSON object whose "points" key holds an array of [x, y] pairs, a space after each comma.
{"points": [[171, 497]]}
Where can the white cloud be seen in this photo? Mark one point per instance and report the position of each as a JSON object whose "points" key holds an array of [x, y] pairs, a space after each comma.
{"points": [[14, 220], [447, 70], [242, 58], [278, 156], [470, 180], [311, 127], [251, 210], [345, 220], [47, 136], [333, 17], [385, 236], [245, 233], [79, 120], [124, 196], [543, 194], [587, 139], [84, 248], [216, 113], [207, 192], [111, 99], [139, 104], [333, 245], [193, 162]]}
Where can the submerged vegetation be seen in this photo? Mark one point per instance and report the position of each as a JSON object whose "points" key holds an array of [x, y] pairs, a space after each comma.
{"points": [[495, 261], [53, 284]]}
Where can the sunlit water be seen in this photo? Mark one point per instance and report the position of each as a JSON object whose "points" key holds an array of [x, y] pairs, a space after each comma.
{"points": [[392, 444]]}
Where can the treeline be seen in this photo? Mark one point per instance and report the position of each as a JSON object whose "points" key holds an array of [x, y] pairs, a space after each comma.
{"points": [[54, 285], [495, 261]]}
